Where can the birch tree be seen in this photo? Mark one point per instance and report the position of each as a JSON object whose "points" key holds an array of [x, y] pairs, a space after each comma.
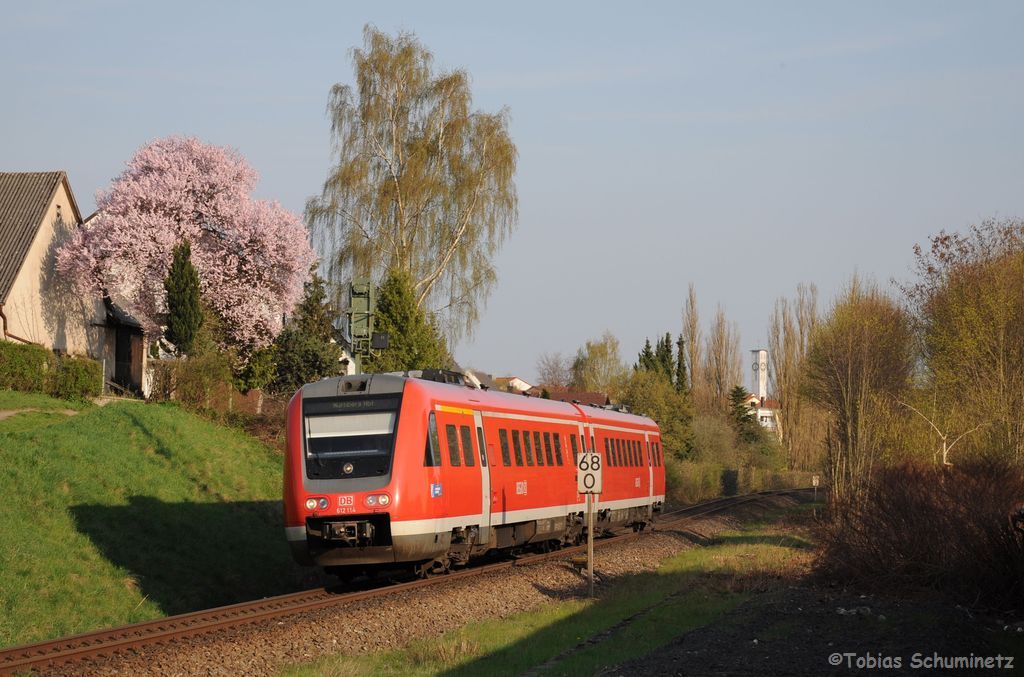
{"points": [[421, 184]]}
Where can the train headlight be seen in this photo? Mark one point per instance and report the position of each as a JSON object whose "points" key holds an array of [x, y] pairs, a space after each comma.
{"points": [[323, 503], [348, 468], [310, 504], [375, 500]]}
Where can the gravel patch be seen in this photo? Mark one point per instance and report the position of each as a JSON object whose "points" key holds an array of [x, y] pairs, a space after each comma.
{"points": [[392, 622]]}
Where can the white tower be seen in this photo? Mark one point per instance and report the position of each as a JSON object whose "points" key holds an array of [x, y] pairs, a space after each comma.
{"points": [[760, 367]]}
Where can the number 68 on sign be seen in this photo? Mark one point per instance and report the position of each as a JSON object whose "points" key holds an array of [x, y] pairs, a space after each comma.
{"points": [[588, 476]]}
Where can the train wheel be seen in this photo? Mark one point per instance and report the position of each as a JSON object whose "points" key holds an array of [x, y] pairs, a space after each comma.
{"points": [[434, 567]]}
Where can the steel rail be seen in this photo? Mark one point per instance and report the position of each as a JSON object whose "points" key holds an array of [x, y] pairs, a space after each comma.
{"points": [[106, 643]]}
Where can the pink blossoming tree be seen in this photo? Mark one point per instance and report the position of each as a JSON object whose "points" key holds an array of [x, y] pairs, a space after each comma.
{"points": [[252, 256]]}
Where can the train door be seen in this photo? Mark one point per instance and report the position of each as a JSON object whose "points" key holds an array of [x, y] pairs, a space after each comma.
{"points": [[485, 479], [584, 446]]}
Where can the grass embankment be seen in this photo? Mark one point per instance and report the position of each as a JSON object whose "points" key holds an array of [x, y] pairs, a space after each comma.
{"points": [[129, 512], [580, 637]]}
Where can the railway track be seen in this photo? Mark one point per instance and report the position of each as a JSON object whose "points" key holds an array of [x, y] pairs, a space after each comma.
{"points": [[102, 644]]}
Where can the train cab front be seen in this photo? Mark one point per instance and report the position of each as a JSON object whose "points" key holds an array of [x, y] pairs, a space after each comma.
{"points": [[338, 493]]}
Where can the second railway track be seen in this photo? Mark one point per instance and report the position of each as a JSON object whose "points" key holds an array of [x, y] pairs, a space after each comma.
{"points": [[100, 644]]}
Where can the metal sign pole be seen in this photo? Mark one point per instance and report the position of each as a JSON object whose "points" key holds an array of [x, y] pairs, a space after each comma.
{"points": [[590, 542], [588, 481]]}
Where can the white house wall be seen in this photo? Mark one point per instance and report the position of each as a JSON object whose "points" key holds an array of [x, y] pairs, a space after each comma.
{"points": [[45, 309]]}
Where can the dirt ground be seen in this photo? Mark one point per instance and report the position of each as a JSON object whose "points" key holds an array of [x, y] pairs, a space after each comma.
{"points": [[809, 630]]}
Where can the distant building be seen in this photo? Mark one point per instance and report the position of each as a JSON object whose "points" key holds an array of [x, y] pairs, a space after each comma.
{"points": [[38, 213], [766, 410], [512, 384], [579, 396]]}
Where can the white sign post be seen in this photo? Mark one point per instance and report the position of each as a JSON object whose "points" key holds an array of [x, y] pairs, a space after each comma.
{"points": [[814, 483], [588, 481]]}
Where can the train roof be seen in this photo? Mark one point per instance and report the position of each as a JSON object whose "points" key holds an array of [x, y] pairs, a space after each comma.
{"points": [[373, 384]]}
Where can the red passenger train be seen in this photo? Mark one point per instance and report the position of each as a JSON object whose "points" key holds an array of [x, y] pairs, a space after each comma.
{"points": [[386, 469]]}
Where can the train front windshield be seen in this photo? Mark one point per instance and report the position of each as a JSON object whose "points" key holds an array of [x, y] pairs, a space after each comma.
{"points": [[350, 443]]}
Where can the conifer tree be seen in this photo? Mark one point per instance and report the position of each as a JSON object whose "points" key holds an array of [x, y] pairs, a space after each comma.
{"points": [[305, 352], [414, 339], [645, 359], [682, 381], [663, 356], [184, 313], [744, 420]]}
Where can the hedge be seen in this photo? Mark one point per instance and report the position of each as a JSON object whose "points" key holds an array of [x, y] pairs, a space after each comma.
{"points": [[25, 367], [34, 369]]}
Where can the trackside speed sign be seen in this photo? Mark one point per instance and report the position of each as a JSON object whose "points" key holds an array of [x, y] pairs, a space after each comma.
{"points": [[588, 477]]}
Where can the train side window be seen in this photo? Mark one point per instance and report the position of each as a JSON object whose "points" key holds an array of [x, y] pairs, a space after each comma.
{"points": [[536, 441], [575, 450], [517, 447], [657, 451], [453, 445], [467, 445], [617, 451], [608, 455], [480, 441], [503, 439], [529, 450], [636, 453], [432, 455], [558, 449], [547, 448], [650, 457]]}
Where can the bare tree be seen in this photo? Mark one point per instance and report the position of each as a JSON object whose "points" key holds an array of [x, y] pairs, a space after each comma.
{"points": [[554, 370], [801, 423], [946, 447], [722, 363], [694, 342]]}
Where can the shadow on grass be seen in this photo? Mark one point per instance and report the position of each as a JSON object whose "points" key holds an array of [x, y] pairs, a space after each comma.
{"points": [[189, 556], [643, 612], [779, 541]]}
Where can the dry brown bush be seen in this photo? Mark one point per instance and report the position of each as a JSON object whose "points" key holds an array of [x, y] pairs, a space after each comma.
{"points": [[947, 529]]}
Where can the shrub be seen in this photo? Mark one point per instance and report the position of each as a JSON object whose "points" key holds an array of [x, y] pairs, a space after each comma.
{"points": [[197, 378], [946, 529], [77, 378], [26, 368]]}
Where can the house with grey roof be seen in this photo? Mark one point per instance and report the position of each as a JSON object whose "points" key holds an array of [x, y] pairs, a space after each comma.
{"points": [[38, 213]]}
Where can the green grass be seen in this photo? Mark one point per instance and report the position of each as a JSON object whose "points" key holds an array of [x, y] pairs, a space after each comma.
{"points": [[689, 590], [130, 512], [10, 399]]}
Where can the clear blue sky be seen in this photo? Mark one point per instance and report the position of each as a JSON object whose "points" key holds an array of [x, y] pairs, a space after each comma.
{"points": [[745, 147]]}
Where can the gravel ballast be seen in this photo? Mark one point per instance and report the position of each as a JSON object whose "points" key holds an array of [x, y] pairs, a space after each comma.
{"points": [[393, 621]]}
